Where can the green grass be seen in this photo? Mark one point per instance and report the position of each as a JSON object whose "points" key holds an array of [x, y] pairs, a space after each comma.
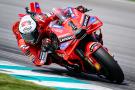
{"points": [[10, 83]]}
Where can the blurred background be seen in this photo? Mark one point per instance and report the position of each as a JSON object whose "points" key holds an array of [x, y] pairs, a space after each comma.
{"points": [[118, 31]]}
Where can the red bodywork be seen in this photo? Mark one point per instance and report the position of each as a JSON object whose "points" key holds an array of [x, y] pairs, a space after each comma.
{"points": [[69, 42]]}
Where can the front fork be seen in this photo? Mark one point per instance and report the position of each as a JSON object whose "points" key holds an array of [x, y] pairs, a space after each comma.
{"points": [[98, 36], [91, 47]]}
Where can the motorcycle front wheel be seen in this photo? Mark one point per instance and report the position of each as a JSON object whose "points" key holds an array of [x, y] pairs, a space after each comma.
{"points": [[109, 67]]}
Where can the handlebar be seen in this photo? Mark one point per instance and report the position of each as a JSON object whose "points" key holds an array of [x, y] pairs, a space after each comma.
{"points": [[29, 12]]}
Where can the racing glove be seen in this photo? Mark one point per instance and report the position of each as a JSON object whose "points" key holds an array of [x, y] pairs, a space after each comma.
{"points": [[45, 48], [25, 49], [46, 44]]}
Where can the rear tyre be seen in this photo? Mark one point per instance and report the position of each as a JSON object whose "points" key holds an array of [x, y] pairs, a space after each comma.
{"points": [[109, 67]]}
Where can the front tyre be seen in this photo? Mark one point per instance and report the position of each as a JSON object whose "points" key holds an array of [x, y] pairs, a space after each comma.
{"points": [[109, 67]]}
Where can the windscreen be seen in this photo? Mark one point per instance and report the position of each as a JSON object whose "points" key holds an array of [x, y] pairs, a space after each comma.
{"points": [[59, 13]]}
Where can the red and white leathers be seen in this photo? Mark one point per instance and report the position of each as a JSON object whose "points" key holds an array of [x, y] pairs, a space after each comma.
{"points": [[34, 51]]}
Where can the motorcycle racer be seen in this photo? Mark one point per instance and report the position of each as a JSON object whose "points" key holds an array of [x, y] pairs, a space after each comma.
{"points": [[33, 35], [67, 37]]}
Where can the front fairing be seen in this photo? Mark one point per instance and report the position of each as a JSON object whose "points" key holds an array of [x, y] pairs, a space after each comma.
{"points": [[65, 32], [64, 35]]}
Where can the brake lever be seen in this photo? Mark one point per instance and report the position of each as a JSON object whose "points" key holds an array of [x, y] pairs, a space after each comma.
{"points": [[28, 11], [87, 10]]}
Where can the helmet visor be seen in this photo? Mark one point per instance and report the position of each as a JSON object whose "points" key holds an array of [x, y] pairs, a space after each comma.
{"points": [[31, 37]]}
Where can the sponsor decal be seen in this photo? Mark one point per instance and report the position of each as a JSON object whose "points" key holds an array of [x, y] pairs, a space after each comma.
{"points": [[64, 35], [85, 20], [71, 12], [27, 29], [43, 57], [92, 46], [57, 26], [65, 38], [37, 5], [64, 45], [72, 25], [58, 30], [26, 23], [92, 20], [61, 55], [40, 17]]}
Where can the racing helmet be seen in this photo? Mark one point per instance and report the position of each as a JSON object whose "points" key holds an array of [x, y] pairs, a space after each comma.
{"points": [[28, 29]]}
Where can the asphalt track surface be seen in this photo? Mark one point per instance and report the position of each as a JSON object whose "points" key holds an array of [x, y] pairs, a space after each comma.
{"points": [[118, 30]]}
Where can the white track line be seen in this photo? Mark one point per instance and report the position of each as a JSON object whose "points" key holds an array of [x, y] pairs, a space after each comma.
{"points": [[9, 63], [50, 83], [27, 72], [72, 85]]}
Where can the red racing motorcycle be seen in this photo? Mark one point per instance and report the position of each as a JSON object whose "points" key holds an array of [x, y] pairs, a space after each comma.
{"points": [[82, 47]]}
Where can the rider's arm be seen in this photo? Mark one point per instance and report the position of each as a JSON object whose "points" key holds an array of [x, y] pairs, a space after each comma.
{"points": [[32, 52], [21, 43], [51, 16]]}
